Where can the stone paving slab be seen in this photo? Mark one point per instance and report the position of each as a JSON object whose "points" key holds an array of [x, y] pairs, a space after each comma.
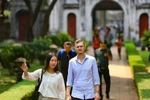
{"points": [[122, 81]]}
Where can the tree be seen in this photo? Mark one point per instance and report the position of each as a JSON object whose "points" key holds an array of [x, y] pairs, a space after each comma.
{"points": [[34, 15], [46, 18], [146, 40], [2, 7]]}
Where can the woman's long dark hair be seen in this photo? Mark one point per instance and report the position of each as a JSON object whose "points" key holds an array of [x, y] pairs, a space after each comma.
{"points": [[47, 60]]}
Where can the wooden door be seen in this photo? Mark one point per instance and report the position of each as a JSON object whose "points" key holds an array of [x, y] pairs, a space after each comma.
{"points": [[143, 24], [23, 23], [72, 25]]}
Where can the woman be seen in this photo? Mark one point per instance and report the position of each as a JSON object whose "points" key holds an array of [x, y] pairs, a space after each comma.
{"points": [[52, 86], [96, 39]]}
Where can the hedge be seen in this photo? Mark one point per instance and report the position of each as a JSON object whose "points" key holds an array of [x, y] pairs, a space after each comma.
{"points": [[142, 78], [135, 60], [18, 91]]}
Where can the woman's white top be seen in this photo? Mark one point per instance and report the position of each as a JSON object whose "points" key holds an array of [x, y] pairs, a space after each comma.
{"points": [[52, 85]]}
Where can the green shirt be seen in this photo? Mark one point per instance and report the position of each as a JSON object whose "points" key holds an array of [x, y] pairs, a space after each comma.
{"points": [[102, 61]]}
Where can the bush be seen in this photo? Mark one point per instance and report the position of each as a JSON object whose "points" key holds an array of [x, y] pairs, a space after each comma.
{"points": [[6, 43], [38, 45], [135, 60], [142, 78], [55, 40], [146, 38], [137, 64], [130, 48], [18, 91], [63, 37], [142, 82], [9, 54], [22, 90]]}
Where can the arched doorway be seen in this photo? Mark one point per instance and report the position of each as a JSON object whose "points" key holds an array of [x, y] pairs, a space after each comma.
{"points": [[143, 24], [23, 17], [105, 8], [108, 13], [71, 25]]}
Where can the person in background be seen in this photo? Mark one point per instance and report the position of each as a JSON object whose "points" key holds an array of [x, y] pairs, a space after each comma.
{"points": [[96, 38], [64, 55], [120, 32], [108, 37], [83, 75], [103, 55], [52, 86], [119, 46]]}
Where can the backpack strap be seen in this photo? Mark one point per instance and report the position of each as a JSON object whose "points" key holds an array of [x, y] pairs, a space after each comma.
{"points": [[73, 53], [41, 75], [61, 53]]}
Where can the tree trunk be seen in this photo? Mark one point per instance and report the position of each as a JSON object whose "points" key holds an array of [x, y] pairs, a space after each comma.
{"points": [[33, 16], [2, 7], [46, 18]]}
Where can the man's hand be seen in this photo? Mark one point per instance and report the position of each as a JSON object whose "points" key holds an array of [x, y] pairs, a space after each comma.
{"points": [[97, 96], [68, 97]]}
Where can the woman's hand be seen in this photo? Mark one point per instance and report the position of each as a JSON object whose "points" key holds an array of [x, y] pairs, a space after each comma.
{"points": [[24, 67]]}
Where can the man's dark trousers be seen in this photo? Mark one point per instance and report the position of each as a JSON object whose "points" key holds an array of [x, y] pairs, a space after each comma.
{"points": [[105, 72]]}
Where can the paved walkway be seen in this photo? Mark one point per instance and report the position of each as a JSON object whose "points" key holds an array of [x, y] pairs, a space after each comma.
{"points": [[122, 82]]}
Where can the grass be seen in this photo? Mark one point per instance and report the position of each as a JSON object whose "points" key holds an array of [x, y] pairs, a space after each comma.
{"points": [[18, 91], [7, 81], [142, 82], [145, 57], [143, 79]]}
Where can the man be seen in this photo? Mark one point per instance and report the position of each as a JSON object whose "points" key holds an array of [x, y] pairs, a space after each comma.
{"points": [[103, 55], [108, 37], [64, 55], [83, 75]]}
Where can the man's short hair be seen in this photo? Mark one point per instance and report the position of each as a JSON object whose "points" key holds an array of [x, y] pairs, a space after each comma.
{"points": [[78, 41], [67, 43]]}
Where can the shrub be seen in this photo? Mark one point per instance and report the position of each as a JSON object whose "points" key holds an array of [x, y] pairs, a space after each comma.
{"points": [[139, 70], [55, 40], [6, 43], [63, 37], [9, 54], [22, 90], [146, 38], [38, 45], [137, 64], [18, 91], [130, 48], [142, 82], [135, 60]]}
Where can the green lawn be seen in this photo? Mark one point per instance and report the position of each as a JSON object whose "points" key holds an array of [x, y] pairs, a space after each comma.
{"points": [[143, 79], [145, 57], [7, 81]]}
